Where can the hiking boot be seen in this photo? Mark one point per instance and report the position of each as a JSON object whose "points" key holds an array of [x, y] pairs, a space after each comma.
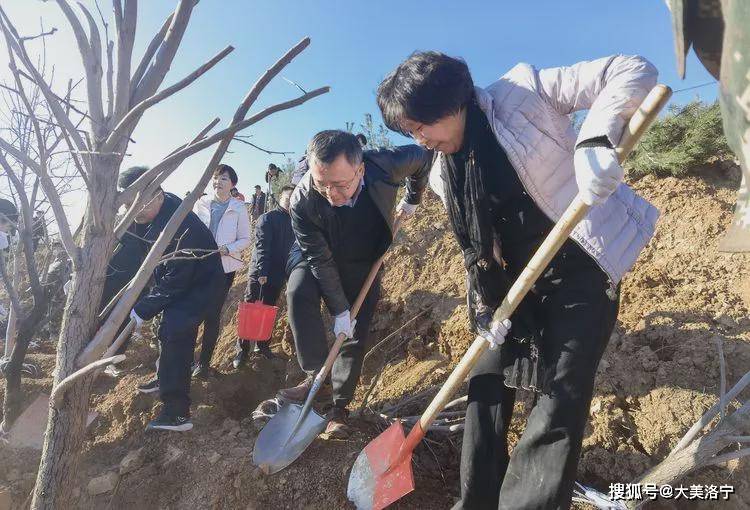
{"points": [[239, 359], [200, 371], [298, 393], [172, 423], [150, 387], [337, 427]]}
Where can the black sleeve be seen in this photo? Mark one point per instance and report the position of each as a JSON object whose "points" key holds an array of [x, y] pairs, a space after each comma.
{"points": [[318, 253], [263, 245], [176, 279], [409, 162]]}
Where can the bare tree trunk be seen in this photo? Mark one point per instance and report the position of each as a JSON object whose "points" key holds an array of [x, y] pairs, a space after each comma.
{"points": [[13, 394], [66, 425], [700, 453]]}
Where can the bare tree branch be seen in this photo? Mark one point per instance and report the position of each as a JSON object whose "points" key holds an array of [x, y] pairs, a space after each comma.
{"points": [[67, 101], [15, 300], [295, 84], [49, 190], [110, 62], [722, 375], [43, 34], [182, 154], [723, 459], [126, 221], [155, 74], [240, 139], [58, 391], [137, 111], [26, 232], [149, 54], [11, 38], [709, 415], [107, 331], [91, 55], [125, 28]]}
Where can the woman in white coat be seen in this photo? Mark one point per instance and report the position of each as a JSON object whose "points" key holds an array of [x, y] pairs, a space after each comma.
{"points": [[229, 222], [507, 164]]}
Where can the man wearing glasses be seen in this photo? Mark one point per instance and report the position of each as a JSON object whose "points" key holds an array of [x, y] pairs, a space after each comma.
{"points": [[342, 216], [183, 291]]}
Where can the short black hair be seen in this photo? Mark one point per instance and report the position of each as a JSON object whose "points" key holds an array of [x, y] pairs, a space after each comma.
{"points": [[129, 176], [362, 139], [226, 169], [257, 186], [288, 187], [271, 166], [424, 88], [327, 145]]}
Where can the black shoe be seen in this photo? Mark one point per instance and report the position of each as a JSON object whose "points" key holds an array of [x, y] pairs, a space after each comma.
{"points": [[150, 387], [200, 371], [239, 359], [173, 423]]}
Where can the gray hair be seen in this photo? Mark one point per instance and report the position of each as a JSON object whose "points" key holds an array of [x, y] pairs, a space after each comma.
{"points": [[328, 145]]}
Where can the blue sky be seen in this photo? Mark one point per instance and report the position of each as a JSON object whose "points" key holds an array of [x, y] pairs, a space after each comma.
{"points": [[354, 44]]}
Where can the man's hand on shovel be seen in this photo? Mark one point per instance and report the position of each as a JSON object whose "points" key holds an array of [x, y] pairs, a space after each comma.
{"points": [[344, 324]]}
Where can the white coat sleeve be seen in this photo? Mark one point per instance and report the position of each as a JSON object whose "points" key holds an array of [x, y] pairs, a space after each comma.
{"points": [[610, 88], [243, 234]]}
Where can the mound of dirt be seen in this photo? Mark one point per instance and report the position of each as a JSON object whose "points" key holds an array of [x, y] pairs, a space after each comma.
{"points": [[658, 375]]}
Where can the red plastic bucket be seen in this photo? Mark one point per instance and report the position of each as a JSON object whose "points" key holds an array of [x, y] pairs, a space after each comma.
{"points": [[255, 321]]}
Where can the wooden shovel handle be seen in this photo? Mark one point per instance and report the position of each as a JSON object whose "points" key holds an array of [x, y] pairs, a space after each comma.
{"points": [[639, 123], [334, 351]]}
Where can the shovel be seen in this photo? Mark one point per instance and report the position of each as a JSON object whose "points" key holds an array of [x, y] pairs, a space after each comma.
{"points": [[294, 427], [382, 472]]}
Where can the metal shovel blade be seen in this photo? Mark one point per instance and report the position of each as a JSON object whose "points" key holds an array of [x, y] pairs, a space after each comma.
{"points": [[276, 447], [374, 483]]}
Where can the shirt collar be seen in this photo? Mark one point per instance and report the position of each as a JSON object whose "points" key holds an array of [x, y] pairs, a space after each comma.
{"points": [[354, 198]]}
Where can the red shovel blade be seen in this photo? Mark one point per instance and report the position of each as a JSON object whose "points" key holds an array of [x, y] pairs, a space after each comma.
{"points": [[374, 482]]}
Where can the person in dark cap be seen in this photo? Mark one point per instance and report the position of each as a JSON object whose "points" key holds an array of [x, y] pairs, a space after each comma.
{"points": [[183, 291]]}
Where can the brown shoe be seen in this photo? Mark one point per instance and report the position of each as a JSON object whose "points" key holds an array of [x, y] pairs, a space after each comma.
{"points": [[299, 393], [337, 427]]}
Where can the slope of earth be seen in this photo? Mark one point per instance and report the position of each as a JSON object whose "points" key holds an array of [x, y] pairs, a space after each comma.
{"points": [[660, 372]]}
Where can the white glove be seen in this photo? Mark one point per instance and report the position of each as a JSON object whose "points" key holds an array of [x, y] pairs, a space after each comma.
{"points": [[598, 173], [344, 324], [4, 242], [138, 321], [406, 209], [496, 334]]}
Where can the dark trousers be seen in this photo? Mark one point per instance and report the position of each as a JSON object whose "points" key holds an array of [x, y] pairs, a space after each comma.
{"points": [[306, 320], [212, 322], [268, 295], [577, 320], [177, 334]]}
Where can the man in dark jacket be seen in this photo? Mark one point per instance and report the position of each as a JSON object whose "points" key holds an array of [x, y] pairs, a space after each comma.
{"points": [[182, 290], [257, 203], [342, 216], [267, 275]]}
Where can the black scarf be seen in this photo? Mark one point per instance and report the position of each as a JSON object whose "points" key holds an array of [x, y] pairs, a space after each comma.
{"points": [[469, 207]]}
